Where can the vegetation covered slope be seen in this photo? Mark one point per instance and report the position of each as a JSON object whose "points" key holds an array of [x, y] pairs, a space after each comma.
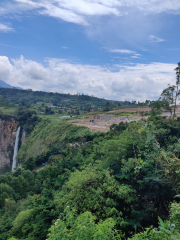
{"points": [[54, 103], [28, 96], [106, 186], [49, 133]]}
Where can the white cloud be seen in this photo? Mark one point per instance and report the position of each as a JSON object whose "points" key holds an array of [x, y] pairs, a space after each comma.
{"points": [[5, 28], [134, 57], [153, 38], [123, 51], [74, 11], [118, 82]]}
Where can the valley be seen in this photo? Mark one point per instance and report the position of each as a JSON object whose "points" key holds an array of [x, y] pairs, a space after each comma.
{"points": [[109, 158]]}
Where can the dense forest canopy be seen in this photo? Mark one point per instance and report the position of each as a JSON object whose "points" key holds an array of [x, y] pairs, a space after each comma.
{"points": [[95, 185], [17, 96], [27, 97]]}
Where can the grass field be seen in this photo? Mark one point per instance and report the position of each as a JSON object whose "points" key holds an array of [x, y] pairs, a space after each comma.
{"points": [[7, 110]]}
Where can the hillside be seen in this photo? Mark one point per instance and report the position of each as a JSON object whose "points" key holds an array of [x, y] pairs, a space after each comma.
{"points": [[5, 85], [16, 96], [114, 183], [48, 133], [32, 99], [59, 104]]}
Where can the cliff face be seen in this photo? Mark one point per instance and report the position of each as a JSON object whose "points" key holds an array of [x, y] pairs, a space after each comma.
{"points": [[7, 140]]}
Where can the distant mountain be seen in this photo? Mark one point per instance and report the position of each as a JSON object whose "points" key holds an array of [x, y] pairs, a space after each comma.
{"points": [[5, 85]]}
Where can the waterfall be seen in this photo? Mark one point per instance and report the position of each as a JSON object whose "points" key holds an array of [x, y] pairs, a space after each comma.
{"points": [[16, 149]]}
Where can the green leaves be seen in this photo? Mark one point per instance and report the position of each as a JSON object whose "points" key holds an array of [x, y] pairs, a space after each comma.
{"points": [[21, 219], [162, 225], [156, 109], [97, 191], [120, 180], [72, 227]]}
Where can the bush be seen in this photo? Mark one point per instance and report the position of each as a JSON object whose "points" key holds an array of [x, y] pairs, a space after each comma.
{"points": [[20, 220], [95, 190], [73, 227]]}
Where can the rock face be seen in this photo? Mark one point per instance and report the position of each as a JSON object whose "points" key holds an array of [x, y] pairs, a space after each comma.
{"points": [[7, 140], [23, 137]]}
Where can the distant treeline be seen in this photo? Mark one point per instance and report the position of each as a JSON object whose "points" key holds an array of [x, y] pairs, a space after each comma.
{"points": [[25, 97]]}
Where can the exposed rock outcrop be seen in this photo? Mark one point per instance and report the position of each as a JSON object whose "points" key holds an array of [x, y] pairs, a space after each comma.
{"points": [[23, 136], [7, 140]]}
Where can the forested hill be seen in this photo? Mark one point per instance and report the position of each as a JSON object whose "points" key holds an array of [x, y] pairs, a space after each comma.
{"points": [[28, 96]]}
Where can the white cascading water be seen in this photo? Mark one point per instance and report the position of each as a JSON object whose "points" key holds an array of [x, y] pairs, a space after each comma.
{"points": [[16, 149]]}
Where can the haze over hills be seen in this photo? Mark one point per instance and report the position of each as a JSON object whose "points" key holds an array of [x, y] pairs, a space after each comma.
{"points": [[5, 85]]}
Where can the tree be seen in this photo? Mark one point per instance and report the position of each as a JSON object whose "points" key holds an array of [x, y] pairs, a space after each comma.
{"points": [[171, 94], [72, 227], [5, 192], [134, 102], [107, 107], [96, 191], [177, 91], [22, 218], [156, 108], [165, 103]]}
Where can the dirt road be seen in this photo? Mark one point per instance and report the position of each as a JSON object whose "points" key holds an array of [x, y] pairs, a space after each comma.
{"points": [[140, 109]]}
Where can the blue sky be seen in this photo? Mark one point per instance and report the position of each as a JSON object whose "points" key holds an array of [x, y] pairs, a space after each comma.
{"points": [[116, 49]]}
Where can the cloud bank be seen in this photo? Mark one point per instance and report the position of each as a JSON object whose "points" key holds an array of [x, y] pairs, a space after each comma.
{"points": [[78, 11], [136, 82]]}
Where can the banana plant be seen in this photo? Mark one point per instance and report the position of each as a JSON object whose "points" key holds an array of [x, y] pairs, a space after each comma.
{"points": [[165, 225]]}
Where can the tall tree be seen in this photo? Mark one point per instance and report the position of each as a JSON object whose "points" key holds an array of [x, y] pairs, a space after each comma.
{"points": [[171, 94], [167, 98], [177, 91], [155, 108]]}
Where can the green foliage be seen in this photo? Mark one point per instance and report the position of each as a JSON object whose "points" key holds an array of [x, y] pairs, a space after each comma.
{"points": [[132, 156], [48, 110], [95, 190], [120, 127], [12, 238], [167, 229], [26, 118], [175, 214], [20, 220], [8, 215], [167, 131], [156, 235], [5, 192], [156, 109], [47, 133], [18, 185], [71, 226], [171, 167], [122, 180], [136, 139], [30, 98], [170, 95], [107, 107]]}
